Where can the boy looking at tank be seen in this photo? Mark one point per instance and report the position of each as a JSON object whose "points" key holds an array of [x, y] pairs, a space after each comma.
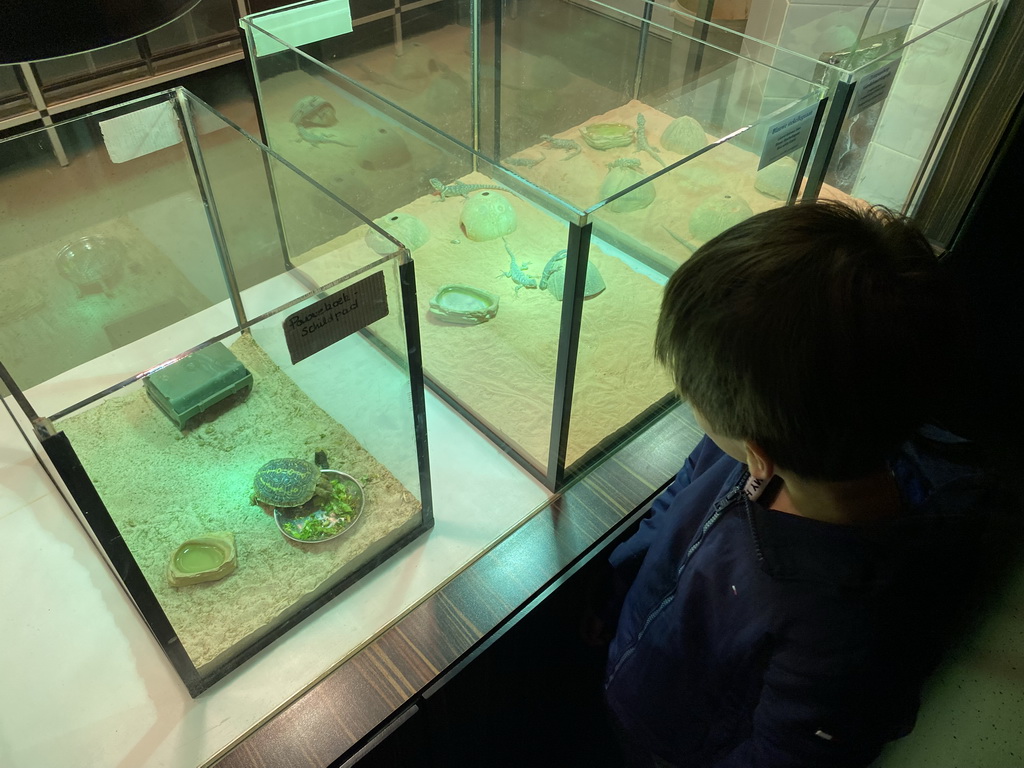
{"points": [[788, 593]]}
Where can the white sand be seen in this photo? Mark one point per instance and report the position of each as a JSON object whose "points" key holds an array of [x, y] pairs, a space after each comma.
{"points": [[163, 486]]}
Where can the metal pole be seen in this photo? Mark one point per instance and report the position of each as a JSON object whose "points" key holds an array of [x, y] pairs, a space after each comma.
{"points": [[576, 261], [210, 204], [641, 48], [834, 118], [499, 10], [474, 73], [35, 93], [805, 155], [407, 279]]}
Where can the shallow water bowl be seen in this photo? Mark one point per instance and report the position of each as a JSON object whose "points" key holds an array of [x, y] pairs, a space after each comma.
{"points": [[314, 111], [607, 135], [92, 263], [463, 304], [204, 558], [323, 519]]}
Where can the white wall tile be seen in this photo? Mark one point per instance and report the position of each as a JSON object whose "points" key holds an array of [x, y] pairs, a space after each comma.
{"points": [[885, 177]]}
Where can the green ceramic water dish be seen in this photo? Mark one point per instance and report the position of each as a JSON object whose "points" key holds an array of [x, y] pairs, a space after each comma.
{"points": [[327, 515], [607, 135], [205, 558], [188, 387], [463, 304]]}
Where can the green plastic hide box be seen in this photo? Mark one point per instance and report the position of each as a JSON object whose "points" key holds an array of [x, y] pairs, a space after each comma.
{"points": [[191, 385]]}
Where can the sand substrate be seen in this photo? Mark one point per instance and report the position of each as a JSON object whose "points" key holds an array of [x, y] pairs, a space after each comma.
{"points": [[503, 371], [162, 487]]}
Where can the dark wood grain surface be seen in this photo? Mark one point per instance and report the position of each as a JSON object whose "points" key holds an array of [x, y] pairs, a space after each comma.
{"points": [[977, 132], [342, 713]]}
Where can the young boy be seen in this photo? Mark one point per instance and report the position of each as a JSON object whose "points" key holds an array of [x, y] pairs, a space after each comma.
{"points": [[789, 592]]}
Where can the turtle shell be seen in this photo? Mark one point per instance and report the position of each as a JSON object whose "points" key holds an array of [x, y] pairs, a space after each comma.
{"points": [[285, 482]]}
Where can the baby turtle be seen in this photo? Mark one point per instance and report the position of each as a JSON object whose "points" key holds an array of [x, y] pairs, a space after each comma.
{"points": [[288, 482]]}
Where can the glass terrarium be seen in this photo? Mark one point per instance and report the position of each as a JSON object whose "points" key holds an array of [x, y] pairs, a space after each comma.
{"points": [[209, 388], [894, 70], [549, 166]]}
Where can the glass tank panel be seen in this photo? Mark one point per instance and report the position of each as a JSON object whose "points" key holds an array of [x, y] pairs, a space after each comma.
{"points": [[902, 87], [894, 73], [527, 132], [205, 375]]}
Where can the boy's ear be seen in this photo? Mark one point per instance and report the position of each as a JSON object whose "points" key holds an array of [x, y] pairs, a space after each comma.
{"points": [[759, 463]]}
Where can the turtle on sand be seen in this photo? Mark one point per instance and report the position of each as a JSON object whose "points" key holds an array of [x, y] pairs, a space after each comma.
{"points": [[289, 482]]}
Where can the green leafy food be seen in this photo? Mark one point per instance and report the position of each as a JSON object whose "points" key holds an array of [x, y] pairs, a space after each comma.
{"points": [[335, 515]]}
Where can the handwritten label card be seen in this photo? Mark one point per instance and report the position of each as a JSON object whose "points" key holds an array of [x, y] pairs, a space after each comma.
{"points": [[330, 319]]}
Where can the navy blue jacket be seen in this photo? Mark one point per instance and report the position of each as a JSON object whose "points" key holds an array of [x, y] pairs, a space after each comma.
{"points": [[753, 638]]}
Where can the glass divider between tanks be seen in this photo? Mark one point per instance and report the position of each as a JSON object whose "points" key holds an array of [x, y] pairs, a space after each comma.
{"points": [[185, 114], [576, 262], [407, 284], [252, 75], [42, 429], [474, 75], [966, 73], [805, 155], [821, 158], [535, 471]]}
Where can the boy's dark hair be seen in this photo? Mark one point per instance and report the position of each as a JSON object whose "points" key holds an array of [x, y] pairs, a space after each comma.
{"points": [[819, 331]]}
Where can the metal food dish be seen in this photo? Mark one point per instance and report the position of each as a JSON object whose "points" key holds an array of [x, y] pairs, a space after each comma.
{"points": [[292, 521]]}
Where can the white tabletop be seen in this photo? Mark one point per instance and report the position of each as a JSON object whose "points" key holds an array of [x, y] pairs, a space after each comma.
{"points": [[85, 684]]}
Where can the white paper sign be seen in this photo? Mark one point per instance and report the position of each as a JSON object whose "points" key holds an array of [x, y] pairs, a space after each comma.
{"points": [[300, 25], [873, 88], [138, 133], [787, 136]]}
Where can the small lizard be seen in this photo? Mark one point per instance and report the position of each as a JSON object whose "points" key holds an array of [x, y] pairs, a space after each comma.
{"points": [[516, 273], [525, 162], [458, 188], [625, 162], [567, 144], [315, 139], [642, 145]]}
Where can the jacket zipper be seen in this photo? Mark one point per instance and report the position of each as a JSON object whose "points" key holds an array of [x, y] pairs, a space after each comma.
{"points": [[719, 509]]}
